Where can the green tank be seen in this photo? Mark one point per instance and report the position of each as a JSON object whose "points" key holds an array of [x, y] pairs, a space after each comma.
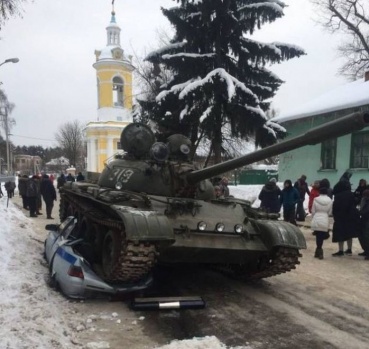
{"points": [[152, 205]]}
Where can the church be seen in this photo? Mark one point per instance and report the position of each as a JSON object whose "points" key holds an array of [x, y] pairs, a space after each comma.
{"points": [[114, 94]]}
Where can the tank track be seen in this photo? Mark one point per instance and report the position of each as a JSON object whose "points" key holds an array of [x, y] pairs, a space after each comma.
{"points": [[136, 258], [283, 260]]}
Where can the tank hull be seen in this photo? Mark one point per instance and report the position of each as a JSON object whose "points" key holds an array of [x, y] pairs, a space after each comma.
{"points": [[149, 230]]}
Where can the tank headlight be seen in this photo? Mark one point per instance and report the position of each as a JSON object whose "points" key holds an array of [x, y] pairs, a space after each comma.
{"points": [[219, 227], [238, 228], [118, 185], [201, 226]]}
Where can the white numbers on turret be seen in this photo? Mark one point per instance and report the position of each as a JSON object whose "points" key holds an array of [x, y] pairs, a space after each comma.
{"points": [[126, 175], [120, 174]]}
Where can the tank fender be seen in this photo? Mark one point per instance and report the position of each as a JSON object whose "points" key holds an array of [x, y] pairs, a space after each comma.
{"points": [[145, 225], [279, 233]]}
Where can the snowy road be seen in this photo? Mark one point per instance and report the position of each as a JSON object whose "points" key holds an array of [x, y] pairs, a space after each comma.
{"points": [[324, 304]]}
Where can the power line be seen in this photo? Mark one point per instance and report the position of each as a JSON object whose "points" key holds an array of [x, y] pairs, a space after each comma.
{"points": [[39, 139]]}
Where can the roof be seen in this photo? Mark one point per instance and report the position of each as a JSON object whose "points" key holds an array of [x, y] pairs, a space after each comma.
{"points": [[351, 95]]}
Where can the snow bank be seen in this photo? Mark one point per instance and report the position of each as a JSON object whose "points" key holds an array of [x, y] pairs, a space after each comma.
{"points": [[30, 316], [208, 342]]}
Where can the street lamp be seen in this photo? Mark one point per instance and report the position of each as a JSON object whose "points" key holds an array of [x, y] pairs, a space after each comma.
{"points": [[10, 60]]}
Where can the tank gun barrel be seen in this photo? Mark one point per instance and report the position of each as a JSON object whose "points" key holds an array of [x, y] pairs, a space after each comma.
{"points": [[332, 129]]}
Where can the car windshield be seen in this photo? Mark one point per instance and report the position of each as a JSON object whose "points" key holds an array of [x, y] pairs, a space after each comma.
{"points": [[66, 227]]}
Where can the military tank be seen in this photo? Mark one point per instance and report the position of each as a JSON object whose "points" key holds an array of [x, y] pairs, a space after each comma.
{"points": [[152, 205]]}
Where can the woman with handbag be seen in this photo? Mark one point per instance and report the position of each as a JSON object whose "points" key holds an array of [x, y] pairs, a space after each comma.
{"points": [[321, 210]]}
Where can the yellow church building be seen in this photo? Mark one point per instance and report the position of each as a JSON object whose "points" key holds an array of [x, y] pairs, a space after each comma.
{"points": [[114, 93]]}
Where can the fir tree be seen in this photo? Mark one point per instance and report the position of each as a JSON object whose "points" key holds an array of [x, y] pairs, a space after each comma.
{"points": [[219, 72]]}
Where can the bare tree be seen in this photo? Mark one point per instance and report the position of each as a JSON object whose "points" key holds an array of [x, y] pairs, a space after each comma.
{"points": [[350, 17], [9, 8], [70, 139]]}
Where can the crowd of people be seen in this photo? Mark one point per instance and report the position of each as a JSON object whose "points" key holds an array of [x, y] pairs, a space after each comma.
{"points": [[350, 210], [36, 188]]}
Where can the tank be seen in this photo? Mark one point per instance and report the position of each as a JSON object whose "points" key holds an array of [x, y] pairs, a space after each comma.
{"points": [[152, 205]]}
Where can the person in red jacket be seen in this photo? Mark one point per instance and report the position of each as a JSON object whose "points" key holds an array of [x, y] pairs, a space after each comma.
{"points": [[314, 192]]}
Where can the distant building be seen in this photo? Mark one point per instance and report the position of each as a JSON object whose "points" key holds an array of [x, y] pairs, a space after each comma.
{"points": [[27, 164], [57, 165], [331, 158], [114, 93]]}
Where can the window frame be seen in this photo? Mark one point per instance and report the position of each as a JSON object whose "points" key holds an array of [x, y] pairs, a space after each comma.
{"points": [[324, 148], [353, 136]]}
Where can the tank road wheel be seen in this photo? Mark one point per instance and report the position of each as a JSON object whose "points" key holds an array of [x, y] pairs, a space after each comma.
{"points": [[124, 260], [111, 251]]}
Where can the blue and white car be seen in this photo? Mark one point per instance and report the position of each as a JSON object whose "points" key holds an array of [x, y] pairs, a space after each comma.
{"points": [[71, 272]]}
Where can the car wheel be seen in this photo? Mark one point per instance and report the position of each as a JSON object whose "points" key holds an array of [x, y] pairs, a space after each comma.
{"points": [[111, 252]]}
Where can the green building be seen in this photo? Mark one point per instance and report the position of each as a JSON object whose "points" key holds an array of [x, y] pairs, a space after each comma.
{"points": [[333, 157]]}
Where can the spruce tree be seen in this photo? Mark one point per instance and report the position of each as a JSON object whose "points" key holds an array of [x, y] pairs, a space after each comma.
{"points": [[219, 74]]}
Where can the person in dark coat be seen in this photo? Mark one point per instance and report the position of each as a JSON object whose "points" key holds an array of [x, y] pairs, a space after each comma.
{"points": [[60, 181], [344, 178], [289, 198], [22, 187], [39, 197], [10, 187], [358, 193], [70, 178], [1, 192], [270, 197], [303, 189], [48, 193], [32, 193], [346, 217], [80, 177], [324, 183], [364, 220]]}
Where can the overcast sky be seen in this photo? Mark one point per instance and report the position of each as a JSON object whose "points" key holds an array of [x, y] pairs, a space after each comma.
{"points": [[54, 81]]}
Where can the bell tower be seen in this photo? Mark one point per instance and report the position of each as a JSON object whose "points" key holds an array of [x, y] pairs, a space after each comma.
{"points": [[114, 99]]}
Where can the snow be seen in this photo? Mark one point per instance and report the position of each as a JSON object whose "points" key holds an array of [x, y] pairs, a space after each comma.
{"points": [[208, 342], [188, 55], [276, 7], [346, 96], [167, 48], [30, 312], [231, 81]]}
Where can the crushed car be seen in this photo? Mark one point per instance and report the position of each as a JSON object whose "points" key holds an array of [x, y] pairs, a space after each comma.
{"points": [[70, 270]]}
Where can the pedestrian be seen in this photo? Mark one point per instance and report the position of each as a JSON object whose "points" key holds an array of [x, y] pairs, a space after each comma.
{"points": [[314, 192], [39, 198], [289, 198], [224, 187], [22, 187], [346, 224], [364, 220], [49, 195], [60, 181], [218, 192], [69, 178], [321, 210], [80, 177], [32, 193], [52, 178], [1, 192], [344, 178], [358, 193], [10, 187], [302, 189], [324, 183], [270, 197]]}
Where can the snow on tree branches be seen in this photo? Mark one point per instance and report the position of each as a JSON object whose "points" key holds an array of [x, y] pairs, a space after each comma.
{"points": [[219, 73]]}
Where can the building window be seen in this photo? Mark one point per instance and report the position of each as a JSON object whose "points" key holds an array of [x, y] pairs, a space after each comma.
{"points": [[118, 91], [360, 150], [328, 156]]}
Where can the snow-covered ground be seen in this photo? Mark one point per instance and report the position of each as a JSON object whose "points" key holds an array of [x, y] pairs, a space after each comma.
{"points": [[34, 316]]}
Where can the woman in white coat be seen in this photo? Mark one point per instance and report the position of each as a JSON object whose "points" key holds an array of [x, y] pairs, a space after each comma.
{"points": [[321, 210]]}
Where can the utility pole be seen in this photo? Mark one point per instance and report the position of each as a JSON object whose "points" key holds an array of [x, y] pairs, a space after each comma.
{"points": [[6, 124]]}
